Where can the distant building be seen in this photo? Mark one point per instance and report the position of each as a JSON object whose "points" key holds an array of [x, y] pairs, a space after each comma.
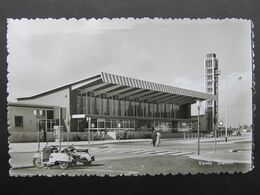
{"points": [[112, 103], [211, 73]]}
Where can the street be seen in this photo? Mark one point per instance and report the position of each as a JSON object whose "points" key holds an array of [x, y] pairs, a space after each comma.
{"points": [[138, 158]]}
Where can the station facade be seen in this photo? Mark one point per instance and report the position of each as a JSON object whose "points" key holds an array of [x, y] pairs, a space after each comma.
{"points": [[112, 102]]}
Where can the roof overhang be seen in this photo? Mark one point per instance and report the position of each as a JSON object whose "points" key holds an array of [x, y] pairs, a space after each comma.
{"points": [[124, 87]]}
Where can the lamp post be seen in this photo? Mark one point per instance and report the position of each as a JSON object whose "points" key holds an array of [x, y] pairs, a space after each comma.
{"points": [[119, 125], [92, 131], [89, 121], [198, 105], [227, 80], [38, 114]]}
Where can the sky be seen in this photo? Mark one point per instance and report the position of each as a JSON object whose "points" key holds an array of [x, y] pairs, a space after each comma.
{"points": [[48, 53]]}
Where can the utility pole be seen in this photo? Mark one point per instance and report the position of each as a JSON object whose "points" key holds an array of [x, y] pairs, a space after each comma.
{"points": [[198, 105]]}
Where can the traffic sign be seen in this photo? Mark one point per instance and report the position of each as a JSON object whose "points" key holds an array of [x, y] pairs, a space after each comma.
{"points": [[92, 125], [78, 116]]}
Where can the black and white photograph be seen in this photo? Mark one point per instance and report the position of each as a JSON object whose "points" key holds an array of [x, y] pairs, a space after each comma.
{"points": [[128, 96]]}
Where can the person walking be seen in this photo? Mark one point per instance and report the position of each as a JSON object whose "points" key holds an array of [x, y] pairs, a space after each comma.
{"points": [[158, 138], [43, 133], [102, 135], [44, 136], [154, 135]]}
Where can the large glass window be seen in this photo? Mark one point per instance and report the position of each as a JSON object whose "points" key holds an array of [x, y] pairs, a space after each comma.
{"points": [[98, 106], [105, 106], [146, 108], [122, 108], [116, 107], [91, 104], [140, 108], [101, 125], [133, 108], [111, 109], [126, 124], [79, 106], [84, 105], [102, 106], [132, 124], [50, 114], [152, 110], [114, 123], [127, 107], [108, 124], [87, 104]]}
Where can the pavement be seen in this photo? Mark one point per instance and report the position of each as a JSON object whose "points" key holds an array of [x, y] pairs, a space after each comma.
{"points": [[32, 147], [224, 157], [235, 139]]}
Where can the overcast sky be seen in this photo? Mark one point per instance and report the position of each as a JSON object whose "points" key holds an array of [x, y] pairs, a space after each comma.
{"points": [[47, 53]]}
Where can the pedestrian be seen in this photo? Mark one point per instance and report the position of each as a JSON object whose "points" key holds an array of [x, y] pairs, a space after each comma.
{"points": [[103, 135], [158, 137], [99, 135], [154, 135], [43, 134], [125, 133]]}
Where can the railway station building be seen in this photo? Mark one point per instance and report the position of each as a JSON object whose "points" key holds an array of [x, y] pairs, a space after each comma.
{"points": [[111, 102]]}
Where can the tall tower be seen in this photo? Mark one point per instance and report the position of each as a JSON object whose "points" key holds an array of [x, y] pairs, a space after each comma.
{"points": [[211, 73]]}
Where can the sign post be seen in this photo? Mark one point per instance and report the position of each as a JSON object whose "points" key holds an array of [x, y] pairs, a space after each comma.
{"points": [[92, 126]]}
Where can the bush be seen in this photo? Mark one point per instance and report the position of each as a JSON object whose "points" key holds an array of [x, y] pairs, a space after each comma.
{"points": [[138, 135], [17, 137], [23, 137]]}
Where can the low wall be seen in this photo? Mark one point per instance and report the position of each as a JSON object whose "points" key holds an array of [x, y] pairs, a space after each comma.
{"points": [[20, 137]]}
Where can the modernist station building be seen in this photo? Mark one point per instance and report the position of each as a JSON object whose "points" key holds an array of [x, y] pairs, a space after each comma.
{"points": [[112, 102]]}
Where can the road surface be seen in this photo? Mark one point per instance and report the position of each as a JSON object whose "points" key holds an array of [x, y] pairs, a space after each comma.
{"points": [[138, 158]]}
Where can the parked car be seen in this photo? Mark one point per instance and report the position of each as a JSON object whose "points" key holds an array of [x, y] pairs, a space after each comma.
{"points": [[210, 135], [236, 133]]}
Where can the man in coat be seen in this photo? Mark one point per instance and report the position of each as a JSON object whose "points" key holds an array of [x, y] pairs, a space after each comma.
{"points": [[154, 136]]}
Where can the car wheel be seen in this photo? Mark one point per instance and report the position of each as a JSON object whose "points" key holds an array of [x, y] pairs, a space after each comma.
{"points": [[64, 165], [37, 163]]}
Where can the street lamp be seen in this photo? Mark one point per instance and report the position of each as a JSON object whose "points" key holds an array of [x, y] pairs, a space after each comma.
{"points": [[38, 114], [198, 105], [89, 122], [227, 80], [119, 125]]}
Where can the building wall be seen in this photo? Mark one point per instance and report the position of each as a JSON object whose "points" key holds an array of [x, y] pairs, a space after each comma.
{"points": [[29, 120], [60, 98], [211, 73], [28, 132]]}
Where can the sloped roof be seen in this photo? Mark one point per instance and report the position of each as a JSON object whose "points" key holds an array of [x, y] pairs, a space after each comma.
{"points": [[122, 86]]}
